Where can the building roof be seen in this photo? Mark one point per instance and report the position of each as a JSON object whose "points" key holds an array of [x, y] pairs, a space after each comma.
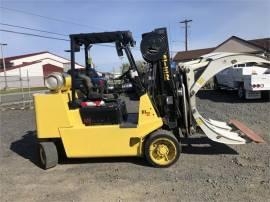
{"points": [[189, 55], [254, 44], [23, 56], [263, 44]]}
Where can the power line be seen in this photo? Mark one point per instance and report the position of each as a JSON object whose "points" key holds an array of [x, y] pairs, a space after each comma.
{"points": [[42, 36], [55, 19], [32, 29], [48, 37], [30, 34], [49, 18]]}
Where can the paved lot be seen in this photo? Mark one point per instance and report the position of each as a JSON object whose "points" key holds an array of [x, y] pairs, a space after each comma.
{"points": [[205, 172]]}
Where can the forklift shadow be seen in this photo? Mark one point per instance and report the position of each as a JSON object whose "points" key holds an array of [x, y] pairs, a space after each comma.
{"points": [[26, 147], [134, 160], [205, 146], [225, 96]]}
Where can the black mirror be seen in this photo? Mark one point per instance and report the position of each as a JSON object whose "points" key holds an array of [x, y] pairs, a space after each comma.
{"points": [[119, 49]]}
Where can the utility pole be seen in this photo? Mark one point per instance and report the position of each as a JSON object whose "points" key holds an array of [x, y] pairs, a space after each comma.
{"points": [[186, 33], [4, 64]]}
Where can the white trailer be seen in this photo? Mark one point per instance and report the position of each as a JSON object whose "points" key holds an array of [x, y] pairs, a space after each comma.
{"points": [[250, 79]]}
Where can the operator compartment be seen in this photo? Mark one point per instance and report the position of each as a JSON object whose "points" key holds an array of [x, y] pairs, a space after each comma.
{"points": [[89, 92], [95, 107]]}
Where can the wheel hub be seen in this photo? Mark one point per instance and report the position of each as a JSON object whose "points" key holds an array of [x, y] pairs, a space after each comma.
{"points": [[162, 150]]}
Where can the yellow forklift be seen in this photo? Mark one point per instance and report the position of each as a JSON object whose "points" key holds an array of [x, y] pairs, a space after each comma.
{"points": [[88, 123]]}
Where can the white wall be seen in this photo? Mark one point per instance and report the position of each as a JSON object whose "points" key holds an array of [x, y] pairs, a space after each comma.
{"points": [[33, 70], [35, 75]]}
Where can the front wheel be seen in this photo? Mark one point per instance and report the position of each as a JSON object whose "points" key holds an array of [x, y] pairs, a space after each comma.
{"points": [[48, 156], [162, 149]]}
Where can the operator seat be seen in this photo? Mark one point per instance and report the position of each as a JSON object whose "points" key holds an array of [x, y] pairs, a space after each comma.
{"points": [[89, 88], [86, 86]]}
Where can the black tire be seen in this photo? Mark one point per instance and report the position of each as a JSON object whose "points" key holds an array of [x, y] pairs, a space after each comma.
{"points": [[162, 135], [241, 92], [48, 156], [266, 95]]}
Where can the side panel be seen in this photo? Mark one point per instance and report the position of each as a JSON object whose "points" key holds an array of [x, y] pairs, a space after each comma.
{"points": [[110, 140], [97, 141], [51, 114]]}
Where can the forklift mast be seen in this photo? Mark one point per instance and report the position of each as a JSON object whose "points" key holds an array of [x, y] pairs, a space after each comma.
{"points": [[161, 86]]}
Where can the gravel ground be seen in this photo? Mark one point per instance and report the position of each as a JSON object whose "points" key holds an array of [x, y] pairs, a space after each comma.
{"points": [[19, 96], [206, 171]]}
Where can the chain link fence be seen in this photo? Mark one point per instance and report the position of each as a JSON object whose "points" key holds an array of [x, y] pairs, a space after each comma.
{"points": [[17, 90]]}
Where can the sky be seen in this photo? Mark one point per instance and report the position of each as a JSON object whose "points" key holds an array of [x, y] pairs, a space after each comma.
{"points": [[213, 22]]}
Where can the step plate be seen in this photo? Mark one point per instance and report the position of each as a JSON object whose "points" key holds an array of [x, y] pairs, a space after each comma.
{"points": [[247, 131]]}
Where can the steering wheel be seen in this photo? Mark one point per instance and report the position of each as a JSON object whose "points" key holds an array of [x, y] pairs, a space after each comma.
{"points": [[126, 73]]}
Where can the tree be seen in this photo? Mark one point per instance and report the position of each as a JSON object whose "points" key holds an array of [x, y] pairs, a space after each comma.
{"points": [[124, 67], [141, 65]]}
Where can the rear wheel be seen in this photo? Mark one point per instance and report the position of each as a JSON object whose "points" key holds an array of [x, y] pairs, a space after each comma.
{"points": [[48, 156], [162, 149]]}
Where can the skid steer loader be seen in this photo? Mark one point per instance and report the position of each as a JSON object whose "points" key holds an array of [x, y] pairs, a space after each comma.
{"points": [[88, 123]]}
